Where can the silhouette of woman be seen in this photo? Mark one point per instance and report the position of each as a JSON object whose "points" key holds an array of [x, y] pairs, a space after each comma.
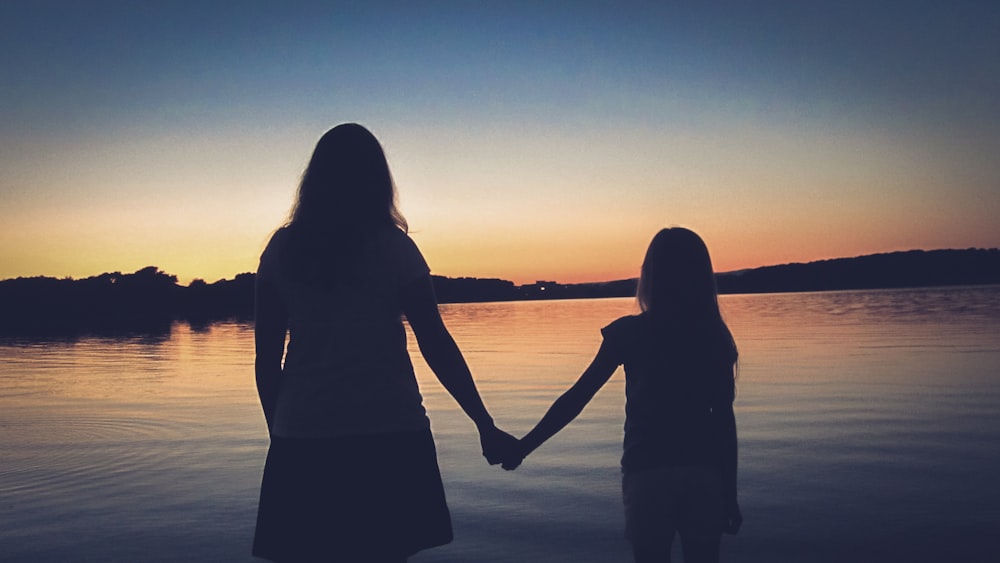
{"points": [[351, 472], [679, 460]]}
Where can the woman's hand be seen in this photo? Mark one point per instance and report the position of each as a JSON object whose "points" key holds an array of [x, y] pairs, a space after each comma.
{"points": [[734, 518]]}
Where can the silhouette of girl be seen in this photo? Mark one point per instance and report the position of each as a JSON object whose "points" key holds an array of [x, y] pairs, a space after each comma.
{"points": [[351, 473], [679, 461]]}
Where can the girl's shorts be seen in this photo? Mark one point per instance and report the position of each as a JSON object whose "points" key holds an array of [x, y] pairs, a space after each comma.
{"points": [[686, 500]]}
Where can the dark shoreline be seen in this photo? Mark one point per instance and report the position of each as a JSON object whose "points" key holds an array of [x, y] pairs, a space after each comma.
{"points": [[149, 301]]}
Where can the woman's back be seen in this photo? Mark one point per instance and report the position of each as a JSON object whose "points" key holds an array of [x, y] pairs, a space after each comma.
{"points": [[347, 368]]}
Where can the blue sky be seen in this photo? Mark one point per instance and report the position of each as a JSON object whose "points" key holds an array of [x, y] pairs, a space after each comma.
{"points": [[528, 140]]}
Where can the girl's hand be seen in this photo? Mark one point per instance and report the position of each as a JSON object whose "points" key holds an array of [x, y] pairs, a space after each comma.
{"points": [[512, 462]]}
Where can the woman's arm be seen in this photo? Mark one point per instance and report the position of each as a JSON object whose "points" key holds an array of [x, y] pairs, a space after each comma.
{"points": [[270, 328], [446, 361], [569, 404], [729, 462]]}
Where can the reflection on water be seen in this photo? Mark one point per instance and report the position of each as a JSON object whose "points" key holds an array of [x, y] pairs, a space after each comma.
{"points": [[130, 449], [868, 420]]}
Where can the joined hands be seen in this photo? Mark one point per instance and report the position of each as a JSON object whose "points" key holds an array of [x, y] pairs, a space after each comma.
{"points": [[501, 448], [515, 456]]}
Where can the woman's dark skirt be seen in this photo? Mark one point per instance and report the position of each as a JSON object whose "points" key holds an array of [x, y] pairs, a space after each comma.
{"points": [[350, 498]]}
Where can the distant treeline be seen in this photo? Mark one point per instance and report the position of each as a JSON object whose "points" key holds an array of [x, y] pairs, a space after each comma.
{"points": [[149, 300], [915, 268], [146, 301]]}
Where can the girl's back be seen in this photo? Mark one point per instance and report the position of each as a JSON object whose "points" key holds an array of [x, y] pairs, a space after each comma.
{"points": [[677, 378]]}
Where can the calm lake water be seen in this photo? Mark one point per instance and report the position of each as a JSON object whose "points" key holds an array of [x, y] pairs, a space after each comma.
{"points": [[869, 430]]}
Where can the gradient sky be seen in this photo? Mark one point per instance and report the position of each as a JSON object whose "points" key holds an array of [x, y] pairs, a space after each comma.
{"points": [[534, 140]]}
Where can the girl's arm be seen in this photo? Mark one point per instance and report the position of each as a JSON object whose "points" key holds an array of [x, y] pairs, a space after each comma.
{"points": [[569, 404], [270, 328], [446, 361]]}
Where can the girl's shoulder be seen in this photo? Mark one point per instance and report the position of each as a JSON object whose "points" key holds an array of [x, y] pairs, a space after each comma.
{"points": [[625, 336], [626, 326]]}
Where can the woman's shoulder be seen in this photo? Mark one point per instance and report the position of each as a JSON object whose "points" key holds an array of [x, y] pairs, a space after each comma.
{"points": [[392, 235], [280, 235], [398, 248], [274, 245], [393, 239]]}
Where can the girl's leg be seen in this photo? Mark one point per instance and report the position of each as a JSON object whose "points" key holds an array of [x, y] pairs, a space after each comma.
{"points": [[649, 514], [652, 554], [700, 523], [701, 550], [369, 556]]}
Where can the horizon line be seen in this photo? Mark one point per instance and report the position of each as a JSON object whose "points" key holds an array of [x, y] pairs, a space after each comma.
{"points": [[729, 272]]}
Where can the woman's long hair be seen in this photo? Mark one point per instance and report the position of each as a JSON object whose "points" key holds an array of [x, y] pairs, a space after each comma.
{"points": [[345, 194], [677, 289]]}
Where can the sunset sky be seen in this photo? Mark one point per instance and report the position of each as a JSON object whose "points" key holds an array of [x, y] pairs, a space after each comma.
{"points": [[528, 140]]}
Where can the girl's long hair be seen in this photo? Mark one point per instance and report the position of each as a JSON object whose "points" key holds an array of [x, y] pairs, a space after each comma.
{"points": [[677, 289], [346, 193]]}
